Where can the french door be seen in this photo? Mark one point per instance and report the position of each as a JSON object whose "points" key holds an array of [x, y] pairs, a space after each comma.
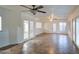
{"points": [[31, 30], [76, 31], [26, 29], [59, 27]]}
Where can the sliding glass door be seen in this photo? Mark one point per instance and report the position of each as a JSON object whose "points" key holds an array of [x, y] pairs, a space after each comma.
{"points": [[76, 31]]}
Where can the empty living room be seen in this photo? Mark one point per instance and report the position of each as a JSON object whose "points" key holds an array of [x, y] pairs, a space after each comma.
{"points": [[39, 29]]}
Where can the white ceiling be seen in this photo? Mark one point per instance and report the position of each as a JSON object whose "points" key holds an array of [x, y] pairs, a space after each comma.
{"points": [[56, 10]]}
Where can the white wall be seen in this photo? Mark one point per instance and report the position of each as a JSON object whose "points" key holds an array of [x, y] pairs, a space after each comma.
{"points": [[38, 30], [11, 24], [48, 27]]}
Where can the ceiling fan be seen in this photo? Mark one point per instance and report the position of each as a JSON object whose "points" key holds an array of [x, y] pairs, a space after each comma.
{"points": [[34, 9]]}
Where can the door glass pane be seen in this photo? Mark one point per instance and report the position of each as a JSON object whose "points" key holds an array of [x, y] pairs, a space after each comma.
{"points": [[77, 32], [31, 29], [62, 26], [26, 29], [54, 27]]}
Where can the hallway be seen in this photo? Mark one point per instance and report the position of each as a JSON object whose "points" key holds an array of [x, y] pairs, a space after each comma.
{"points": [[50, 44]]}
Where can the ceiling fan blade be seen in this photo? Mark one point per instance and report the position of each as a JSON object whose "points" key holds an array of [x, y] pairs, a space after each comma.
{"points": [[25, 6], [39, 7], [41, 11]]}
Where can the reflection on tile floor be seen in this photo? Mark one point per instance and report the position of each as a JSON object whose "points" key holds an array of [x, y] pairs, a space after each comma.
{"points": [[50, 44]]}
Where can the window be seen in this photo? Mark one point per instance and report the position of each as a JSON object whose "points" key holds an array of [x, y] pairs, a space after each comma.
{"points": [[31, 29], [62, 26], [0, 23], [38, 25], [26, 26], [31, 26]]}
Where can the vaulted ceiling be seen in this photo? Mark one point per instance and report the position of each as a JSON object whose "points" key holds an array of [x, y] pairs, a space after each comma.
{"points": [[61, 11]]}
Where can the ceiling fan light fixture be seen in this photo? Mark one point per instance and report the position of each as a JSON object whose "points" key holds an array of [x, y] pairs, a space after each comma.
{"points": [[33, 11], [51, 18]]}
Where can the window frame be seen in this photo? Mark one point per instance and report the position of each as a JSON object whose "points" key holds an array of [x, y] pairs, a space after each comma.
{"points": [[1, 24]]}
